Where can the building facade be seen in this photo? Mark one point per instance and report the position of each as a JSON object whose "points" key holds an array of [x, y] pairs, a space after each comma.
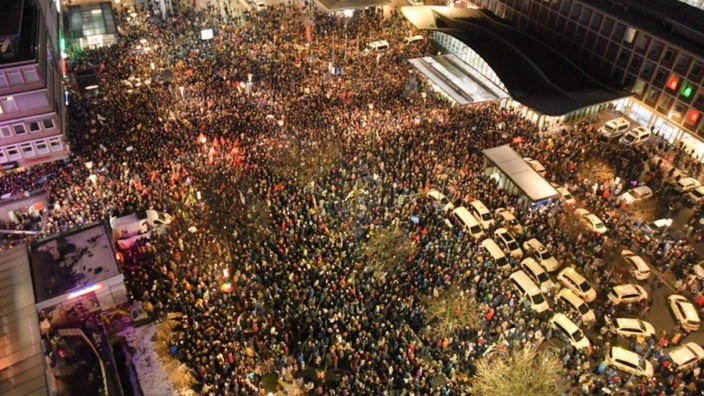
{"points": [[654, 49], [32, 107]]}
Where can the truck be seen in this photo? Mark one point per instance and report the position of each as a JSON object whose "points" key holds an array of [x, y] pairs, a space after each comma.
{"points": [[127, 230]]}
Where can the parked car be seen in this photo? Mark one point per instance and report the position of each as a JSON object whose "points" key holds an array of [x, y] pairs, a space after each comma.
{"points": [[508, 243], [686, 357], [685, 312], [627, 293], [568, 331], [629, 361], [638, 267], [575, 303], [537, 166], [630, 327], [443, 201], [590, 220], [574, 281], [529, 290], [636, 194], [636, 136], [695, 196], [537, 274], [657, 227], [565, 194], [541, 254], [506, 219], [614, 128], [686, 184]]}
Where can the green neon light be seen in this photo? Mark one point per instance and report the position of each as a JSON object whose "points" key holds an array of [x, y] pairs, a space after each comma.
{"points": [[687, 91]]}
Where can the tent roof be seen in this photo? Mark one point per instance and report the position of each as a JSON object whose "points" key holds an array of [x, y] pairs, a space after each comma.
{"points": [[535, 74], [520, 173], [21, 358]]}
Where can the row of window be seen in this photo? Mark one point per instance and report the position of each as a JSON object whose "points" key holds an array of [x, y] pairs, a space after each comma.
{"points": [[13, 77], [30, 149], [634, 53], [20, 129]]}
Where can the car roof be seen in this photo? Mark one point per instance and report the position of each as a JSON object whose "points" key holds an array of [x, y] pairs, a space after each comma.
{"points": [[628, 288], [572, 273], [686, 352], [622, 353], [627, 322], [643, 188]]}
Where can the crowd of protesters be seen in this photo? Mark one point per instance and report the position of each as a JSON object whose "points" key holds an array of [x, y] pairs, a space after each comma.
{"points": [[279, 174]]}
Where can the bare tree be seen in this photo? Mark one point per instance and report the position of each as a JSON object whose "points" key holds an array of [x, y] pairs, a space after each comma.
{"points": [[525, 371], [389, 248], [453, 309]]}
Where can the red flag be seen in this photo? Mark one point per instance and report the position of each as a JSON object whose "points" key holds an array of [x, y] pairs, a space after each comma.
{"points": [[153, 175], [309, 33]]}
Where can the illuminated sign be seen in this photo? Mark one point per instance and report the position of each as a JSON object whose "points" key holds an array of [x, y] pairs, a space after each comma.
{"points": [[693, 116], [85, 290], [206, 34], [687, 91], [673, 82]]}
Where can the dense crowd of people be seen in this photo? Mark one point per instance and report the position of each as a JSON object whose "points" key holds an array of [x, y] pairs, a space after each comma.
{"points": [[279, 174]]}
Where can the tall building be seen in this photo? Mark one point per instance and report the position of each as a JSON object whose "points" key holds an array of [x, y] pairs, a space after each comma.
{"points": [[32, 107], [653, 49]]}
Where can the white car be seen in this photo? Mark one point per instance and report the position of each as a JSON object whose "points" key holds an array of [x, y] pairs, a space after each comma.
{"points": [[508, 220], [537, 274], [508, 243], [627, 293], [415, 2], [574, 281], [636, 194], [687, 356], [698, 270], [575, 303], [629, 361], [541, 254], [629, 327], [537, 166], [696, 195], [591, 221], [566, 196], [686, 184], [657, 227], [568, 331], [443, 201], [685, 312], [639, 268]]}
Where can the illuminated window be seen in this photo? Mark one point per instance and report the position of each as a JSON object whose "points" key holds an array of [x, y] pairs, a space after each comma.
{"points": [[686, 91], [673, 82], [693, 116]]}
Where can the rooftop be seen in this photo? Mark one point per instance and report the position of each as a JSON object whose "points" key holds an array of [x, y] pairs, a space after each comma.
{"points": [[72, 260], [21, 358]]}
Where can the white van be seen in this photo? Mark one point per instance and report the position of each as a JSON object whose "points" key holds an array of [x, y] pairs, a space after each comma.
{"points": [[635, 136], [126, 230], [468, 223], [568, 331], [615, 127], [576, 304], [527, 289], [481, 213], [496, 253], [380, 45], [413, 39]]}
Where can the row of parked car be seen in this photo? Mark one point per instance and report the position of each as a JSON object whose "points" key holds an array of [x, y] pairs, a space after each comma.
{"points": [[618, 128], [532, 281]]}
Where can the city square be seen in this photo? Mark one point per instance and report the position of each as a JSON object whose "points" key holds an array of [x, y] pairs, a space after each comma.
{"points": [[304, 184]]}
